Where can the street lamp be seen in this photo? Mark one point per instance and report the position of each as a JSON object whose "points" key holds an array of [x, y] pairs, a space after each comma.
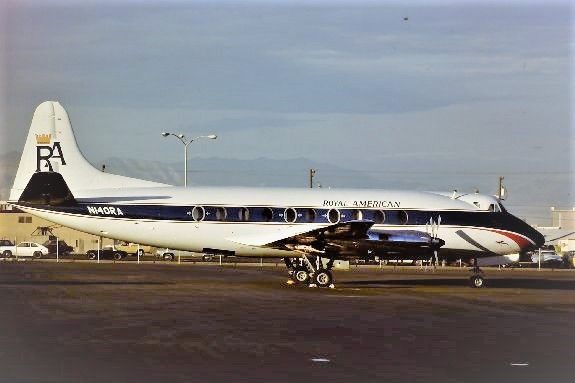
{"points": [[186, 143]]}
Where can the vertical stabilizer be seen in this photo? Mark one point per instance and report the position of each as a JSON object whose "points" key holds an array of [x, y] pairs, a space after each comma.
{"points": [[51, 147]]}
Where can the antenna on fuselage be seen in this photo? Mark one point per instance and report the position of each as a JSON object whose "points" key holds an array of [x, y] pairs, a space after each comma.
{"points": [[502, 190]]}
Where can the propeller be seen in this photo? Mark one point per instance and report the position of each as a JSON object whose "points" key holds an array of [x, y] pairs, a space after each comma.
{"points": [[432, 229]]}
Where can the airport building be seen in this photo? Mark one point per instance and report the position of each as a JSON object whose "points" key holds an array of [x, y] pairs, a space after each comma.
{"points": [[19, 226], [564, 219]]}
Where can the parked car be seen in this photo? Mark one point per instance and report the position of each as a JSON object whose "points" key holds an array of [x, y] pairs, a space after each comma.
{"points": [[549, 259], [23, 249], [569, 258], [107, 252], [63, 248], [170, 255], [6, 247], [133, 248]]}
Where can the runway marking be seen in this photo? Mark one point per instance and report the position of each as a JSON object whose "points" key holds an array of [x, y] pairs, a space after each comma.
{"points": [[519, 364], [320, 360]]}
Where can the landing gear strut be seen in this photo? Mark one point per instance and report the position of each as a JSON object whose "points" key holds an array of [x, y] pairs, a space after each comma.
{"points": [[476, 280], [313, 274]]}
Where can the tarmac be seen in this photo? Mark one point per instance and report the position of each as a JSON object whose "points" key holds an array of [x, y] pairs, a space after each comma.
{"points": [[167, 322]]}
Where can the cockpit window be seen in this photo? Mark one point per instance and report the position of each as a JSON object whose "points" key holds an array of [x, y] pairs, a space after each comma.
{"points": [[502, 208]]}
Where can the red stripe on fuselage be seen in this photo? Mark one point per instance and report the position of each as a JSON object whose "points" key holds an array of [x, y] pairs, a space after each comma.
{"points": [[521, 241]]}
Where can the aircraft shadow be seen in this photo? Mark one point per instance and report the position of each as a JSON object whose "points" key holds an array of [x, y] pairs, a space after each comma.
{"points": [[510, 283], [79, 283]]}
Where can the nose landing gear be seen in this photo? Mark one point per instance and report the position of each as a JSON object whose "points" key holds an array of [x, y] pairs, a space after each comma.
{"points": [[476, 280]]}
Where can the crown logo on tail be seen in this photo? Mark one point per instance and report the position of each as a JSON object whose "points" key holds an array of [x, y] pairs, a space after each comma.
{"points": [[43, 138]]}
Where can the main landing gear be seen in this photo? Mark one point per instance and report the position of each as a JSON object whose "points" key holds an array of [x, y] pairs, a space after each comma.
{"points": [[313, 274], [476, 280]]}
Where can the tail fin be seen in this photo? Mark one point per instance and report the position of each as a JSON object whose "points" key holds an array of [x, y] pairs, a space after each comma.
{"points": [[51, 147]]}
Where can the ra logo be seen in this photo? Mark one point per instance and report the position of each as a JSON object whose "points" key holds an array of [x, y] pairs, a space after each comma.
{"points": [[45, 152]]}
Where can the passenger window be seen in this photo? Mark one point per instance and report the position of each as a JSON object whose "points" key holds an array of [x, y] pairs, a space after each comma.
{"points": [[309, 215], [402, 217], [379, 217], [198, 213], [290, 215], [333, 216], [244, 214], [221, 214], [267, 214]]}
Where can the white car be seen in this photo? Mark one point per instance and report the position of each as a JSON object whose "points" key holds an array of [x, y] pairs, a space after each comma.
{"points": [[25, 249]]}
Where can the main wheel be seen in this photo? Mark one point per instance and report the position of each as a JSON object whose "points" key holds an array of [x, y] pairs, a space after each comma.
{"points": [[477, 281], [169, 257], [118, 256], [7, 254], [37, 255], [323, 278], [301, 275]]}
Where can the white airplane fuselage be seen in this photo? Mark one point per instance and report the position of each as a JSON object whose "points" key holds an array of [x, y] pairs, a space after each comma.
{"points": [[163, 217]]}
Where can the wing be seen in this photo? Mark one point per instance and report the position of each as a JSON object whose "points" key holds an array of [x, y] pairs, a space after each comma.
{"points": [[302, 234], [351, 239]]}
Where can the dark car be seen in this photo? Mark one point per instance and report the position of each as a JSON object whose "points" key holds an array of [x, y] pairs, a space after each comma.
{"points": [[63, 247], [107, 252]]}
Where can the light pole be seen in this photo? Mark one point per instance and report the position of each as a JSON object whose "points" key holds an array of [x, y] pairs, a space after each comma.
{"points": [[186, 143]]}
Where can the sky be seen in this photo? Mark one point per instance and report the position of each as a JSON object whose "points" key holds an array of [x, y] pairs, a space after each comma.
{"points": [[453, 94]]}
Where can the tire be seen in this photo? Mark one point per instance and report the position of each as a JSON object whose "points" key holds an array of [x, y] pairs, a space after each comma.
{"points": [[7, 254], [140, 253], [37, 255], [118, 256], [301, 275], [168, 257], [323, 278], [477, 281], [207, 257], [92, 255]]}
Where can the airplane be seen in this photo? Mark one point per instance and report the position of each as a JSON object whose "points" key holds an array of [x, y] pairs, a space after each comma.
{"points": [[308, 228]]}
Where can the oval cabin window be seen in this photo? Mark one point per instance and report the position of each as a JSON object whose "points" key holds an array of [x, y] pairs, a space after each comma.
{"points": [[290, 215], [198, 213], [333, 216]]}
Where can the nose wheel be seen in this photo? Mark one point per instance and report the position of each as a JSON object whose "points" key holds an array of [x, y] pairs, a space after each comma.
{"points": [[476, 280]]}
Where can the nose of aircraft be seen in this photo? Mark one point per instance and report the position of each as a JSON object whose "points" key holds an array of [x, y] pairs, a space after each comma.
{"points": [[538, 238], [521, 227]]}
